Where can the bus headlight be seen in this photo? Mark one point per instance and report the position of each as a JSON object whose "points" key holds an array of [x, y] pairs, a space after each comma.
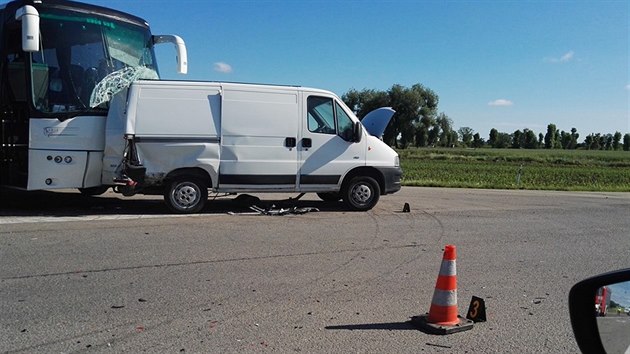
{"points": [[397, 161]]}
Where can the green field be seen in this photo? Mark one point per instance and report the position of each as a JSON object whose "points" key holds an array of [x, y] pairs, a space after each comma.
{"points": [[570, 170]]}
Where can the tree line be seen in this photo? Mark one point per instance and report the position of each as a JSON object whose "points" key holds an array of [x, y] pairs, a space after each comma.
{"points": [[418, 123]]}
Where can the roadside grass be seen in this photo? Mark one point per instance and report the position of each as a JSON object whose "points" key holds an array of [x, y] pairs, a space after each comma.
{"points": [[568, 170]]}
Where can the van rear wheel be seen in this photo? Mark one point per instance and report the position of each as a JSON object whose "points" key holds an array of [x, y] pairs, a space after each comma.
{"points": [[361, 193], [185, 195]]}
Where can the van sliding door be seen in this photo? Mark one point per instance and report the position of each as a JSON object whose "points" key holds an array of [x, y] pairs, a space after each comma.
{"points": [[258, 139]]}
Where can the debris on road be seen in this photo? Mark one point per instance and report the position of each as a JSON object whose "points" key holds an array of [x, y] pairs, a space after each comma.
{"points": [[253, 203]]}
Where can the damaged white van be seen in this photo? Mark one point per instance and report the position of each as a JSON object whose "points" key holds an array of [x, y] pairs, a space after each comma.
{"points": [[182, 138]]}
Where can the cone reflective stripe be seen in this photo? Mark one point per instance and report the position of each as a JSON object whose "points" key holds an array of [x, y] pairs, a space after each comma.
{"points": [[443, 309]]}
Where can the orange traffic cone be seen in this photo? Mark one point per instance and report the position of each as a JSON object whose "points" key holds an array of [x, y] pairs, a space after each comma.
{"points": [[442, 317]]}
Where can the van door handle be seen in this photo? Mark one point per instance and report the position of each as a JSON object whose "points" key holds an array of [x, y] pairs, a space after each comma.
{"points": [[307, 142], [290, 142]]}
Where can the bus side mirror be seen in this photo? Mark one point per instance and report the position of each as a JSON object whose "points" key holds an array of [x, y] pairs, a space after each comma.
{"points": [[30, 27], [180, 47]]}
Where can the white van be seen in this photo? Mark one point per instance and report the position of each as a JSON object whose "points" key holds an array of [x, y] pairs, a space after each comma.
{"points": [[182, 138]]}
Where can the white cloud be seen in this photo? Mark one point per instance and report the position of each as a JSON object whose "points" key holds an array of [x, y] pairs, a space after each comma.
{"points": [[628, 87], [500, 103], [223, 67], [568, 56]]}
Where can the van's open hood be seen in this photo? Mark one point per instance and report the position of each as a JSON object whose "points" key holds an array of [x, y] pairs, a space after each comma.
{"points": [[376, 121]]}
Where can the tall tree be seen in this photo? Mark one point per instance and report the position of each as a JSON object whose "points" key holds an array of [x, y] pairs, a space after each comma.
{"points": [[608, 141], [588, 142], [504, 140], [565, 139], [414, 106], [595, 141], [550, 137], [516, 139], [445, 125], [422, 136], [626, 142], [574, 139], [529, 140], [477, 141], [492, 138], [541, 140], [454, 139], [616, 141], [363, 102], [466, 133], [406, 104]]}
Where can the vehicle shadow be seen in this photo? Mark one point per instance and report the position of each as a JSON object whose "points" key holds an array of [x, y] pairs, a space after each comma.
{"points": [[390, 326], [64, 204]]}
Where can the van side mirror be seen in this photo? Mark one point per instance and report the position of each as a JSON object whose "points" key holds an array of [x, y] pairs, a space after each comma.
{"points": [[180, 47], [596, 306], [30, 27], [357, 132]]}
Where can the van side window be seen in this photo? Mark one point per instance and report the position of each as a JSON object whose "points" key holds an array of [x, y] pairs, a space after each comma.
{"points": [[344, 123], [321, 115]]}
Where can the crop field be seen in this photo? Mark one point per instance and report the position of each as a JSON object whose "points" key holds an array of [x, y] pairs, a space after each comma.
{"points": [[570, 170]]}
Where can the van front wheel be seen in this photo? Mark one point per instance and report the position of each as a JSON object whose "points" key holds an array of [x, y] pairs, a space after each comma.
{"points": [[361, 193], [185, 195]]}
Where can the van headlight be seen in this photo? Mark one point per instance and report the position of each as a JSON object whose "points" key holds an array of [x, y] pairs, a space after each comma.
{"points": [[396, 161]]}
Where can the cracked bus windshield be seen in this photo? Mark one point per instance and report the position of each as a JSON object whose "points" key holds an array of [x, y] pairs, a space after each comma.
{"points": [[78, 53]]}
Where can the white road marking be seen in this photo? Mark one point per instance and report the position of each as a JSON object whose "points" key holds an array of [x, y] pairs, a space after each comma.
{"points": [[43, 219]]}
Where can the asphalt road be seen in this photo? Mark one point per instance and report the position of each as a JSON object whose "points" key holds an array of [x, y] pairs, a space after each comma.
{"points": [[613, 330], [112, 274]]}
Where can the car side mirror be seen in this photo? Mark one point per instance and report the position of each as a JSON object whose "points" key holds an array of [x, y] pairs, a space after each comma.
{"points": [[357, 132], [596, 304]]}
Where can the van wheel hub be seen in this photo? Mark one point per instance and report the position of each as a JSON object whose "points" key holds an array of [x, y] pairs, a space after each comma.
{"points": [[186, 195], [361, 193]]}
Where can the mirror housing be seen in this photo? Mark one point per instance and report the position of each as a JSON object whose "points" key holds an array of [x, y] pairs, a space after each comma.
{"points": [[582, 309], [357, 132], [180, 47], [30, 27]]}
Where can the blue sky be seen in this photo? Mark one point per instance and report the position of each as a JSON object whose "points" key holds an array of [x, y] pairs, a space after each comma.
{"points": [[494, 64], [621, 293]]}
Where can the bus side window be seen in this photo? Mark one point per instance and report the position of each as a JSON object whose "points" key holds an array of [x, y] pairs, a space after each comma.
{"points": [[17, 76]]}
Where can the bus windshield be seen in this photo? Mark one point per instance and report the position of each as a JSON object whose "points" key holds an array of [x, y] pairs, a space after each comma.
{"points": [[78, 51]]}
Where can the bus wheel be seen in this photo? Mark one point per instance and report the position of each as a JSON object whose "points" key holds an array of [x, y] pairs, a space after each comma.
{"points": [[361, 193], [185, 195]]}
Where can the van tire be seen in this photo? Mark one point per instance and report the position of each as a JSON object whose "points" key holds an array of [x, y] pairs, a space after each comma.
{"points": [[329, 196], [361, 193], [186, 195]]}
